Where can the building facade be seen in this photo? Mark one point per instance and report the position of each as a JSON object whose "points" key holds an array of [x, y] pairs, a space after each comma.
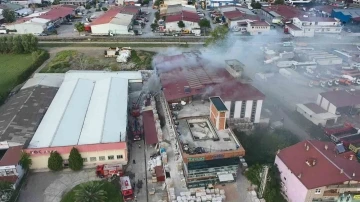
{"points": [[10, 169], [309, 27]]}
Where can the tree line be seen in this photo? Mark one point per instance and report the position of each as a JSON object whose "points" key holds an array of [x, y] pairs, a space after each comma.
{"points": [[18, 44]]}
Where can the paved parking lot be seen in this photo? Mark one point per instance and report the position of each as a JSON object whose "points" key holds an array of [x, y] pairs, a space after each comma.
{"points": [[51, 186]]}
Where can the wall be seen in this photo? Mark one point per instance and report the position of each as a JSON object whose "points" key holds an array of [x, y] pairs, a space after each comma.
{"points": [[40, 162], [27, 28], [255, 30], [318, 101], [228, 106], [258, 111], [173, 26], [119, 29], [311, 118], [237, 111], [332, 109], [324, 104], [293, 188], [106, 28], [249, 104]]}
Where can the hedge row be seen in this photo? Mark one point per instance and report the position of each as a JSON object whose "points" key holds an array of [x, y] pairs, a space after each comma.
{"points": [[18, 44]]}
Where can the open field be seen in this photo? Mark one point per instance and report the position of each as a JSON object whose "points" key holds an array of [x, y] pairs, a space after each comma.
{"points": [[11, 67], [93, 59], [113, 192]]}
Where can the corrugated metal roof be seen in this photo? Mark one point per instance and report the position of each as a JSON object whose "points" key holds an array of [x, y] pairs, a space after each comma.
{"points": [[98, 75], [45, 79], [70, 126], [116, 112]]}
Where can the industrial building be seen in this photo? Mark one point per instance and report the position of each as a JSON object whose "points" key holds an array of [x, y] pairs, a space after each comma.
{"points": [[38, 23], [347, 15], [281, 14], [316, 114], [312, 170], [116, 21], [342, 101], [198, 80], [190, 20], [10, 169], [311, 26], [86, 114]]}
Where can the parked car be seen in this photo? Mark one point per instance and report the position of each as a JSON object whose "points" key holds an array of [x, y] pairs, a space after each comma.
{"points": [[43, 34]]}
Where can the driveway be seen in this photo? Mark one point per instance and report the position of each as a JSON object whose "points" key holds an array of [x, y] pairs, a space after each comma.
{"points": [[51, 186]]}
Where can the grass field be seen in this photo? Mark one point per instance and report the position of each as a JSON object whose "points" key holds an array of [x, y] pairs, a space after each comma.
{"points": [[113, 193], [11, 66]]}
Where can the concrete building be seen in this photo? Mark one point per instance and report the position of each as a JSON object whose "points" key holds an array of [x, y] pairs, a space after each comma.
{"points": [[281, 13], [311, 26], [316, 114], [177, 9], [114, 21], [86, 114], [195, 81], [218, 3], [342, 101], [318, 171], [32, 26], [190, 20], [346, 15], [210, 151]]}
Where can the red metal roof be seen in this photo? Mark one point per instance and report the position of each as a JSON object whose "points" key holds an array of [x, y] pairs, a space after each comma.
{"points": [[232, 15], [81, 148], [12, 156], [111, 13], [342, 98], [316, 19], [201, 80], [184, 16], [285, 11], [150, 133], [328, 164], [57, 12], [11, 179]]}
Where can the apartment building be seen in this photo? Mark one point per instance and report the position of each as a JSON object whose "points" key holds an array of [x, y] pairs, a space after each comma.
{"points": [[311, 26]]}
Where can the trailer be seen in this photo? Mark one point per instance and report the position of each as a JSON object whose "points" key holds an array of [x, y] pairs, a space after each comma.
{"points": [[345, 128], [126, 188]]}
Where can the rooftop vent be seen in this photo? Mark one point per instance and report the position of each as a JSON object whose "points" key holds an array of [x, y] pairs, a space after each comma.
{"points": [[307, 148], [299, 176], [311, 162], [351, 157], [341, 171], [353, 174], [326, 147]]}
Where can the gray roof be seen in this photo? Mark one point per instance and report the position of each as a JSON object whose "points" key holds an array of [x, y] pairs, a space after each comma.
{"points": [[315, 108], [22, 113]]}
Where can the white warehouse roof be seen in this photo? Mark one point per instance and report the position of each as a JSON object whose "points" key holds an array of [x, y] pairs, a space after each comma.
{"points": [[89, 108]]}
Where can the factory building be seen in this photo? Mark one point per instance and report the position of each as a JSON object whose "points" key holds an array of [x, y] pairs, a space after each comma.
{"points": [[311, 26], [347, 15], [89, 112], [342, 101], [195, 81]]}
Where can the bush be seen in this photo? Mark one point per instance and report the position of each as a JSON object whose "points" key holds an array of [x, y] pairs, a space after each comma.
{"points": [[104, 9], [18, 44], [55, 161], [75, 160], [39, 57]]}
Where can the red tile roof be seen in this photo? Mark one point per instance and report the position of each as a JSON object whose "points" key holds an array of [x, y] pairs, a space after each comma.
{"points": [[185, 16], [111, 13], [328, 164], [285, 11], [316, 19], [150, 133], [342, 98], [201, 80], [81, 148], [233, 15], [259, 23], [12, 156]]}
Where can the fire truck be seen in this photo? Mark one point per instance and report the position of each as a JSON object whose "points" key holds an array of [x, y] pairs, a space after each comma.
{"points": [[109, 170], [136, 129], [126, 189]]}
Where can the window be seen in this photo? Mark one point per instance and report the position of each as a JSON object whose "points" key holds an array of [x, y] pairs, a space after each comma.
{"points": [[243, 108], [317, 191], [111, 157], [232, 109], [92, 159], [84, 159], [101, 158], [119, 156]]}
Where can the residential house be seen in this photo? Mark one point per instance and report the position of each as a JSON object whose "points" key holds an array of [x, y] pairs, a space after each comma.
{"points": [[10, 169], [190, 20], [310, 26], [313, 170]]}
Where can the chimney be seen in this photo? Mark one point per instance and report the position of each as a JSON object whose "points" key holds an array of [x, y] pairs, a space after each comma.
{"points": [[218, 112], [341, 171], [308, 163], [278, 151], [326, 147], [299, 176], [353, 175], [307, 148], [314, 162], [351, 157], [305, 144]]}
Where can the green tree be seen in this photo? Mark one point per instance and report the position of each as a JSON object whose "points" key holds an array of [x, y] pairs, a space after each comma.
{"points": [[145, 2], [204, 24], [154, 26], [17, 44], [104, 9], [4, 185], [33, 43], [279, 2], [87, 6], [218, 35], [158, 2], [9, 15], [55, 161], [56, 2], [272, 191], [91, 192], [79, 27], [6, 190], [253, 174], [76, 162], [2, 44], [181, 24], [25, 160], [157, 15], [25, 41], [255, 5]]}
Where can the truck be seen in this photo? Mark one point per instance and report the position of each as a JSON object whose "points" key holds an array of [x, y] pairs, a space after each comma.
{"points": [[109, 170], [136, 129], [126, 188], [3, 31]]}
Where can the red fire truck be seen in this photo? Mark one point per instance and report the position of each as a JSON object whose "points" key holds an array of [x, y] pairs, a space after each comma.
{"points": [[126, 189], [136, 129], [109, 170]]}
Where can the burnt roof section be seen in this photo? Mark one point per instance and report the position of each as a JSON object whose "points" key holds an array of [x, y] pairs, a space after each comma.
{"points": [[22, 113], [342, 98], [11, 156], [218, 103]]}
